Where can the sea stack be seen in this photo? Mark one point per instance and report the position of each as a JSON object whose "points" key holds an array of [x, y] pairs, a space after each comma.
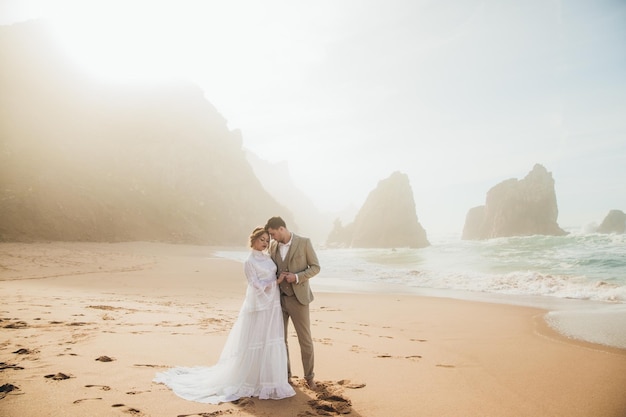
{"points": [[516, 208], [386, 220], [614, 222]]}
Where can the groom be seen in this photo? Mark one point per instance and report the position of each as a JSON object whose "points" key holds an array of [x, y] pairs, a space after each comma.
{"points": [[296, 260]]}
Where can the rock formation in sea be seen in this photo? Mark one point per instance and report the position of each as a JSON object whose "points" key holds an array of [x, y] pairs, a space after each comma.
{"points": [[387, 219], [87, 160], [614, 222], [516, 208]]}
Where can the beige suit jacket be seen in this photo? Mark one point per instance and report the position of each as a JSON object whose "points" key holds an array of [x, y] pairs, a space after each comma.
{"points": [[301, 260]]}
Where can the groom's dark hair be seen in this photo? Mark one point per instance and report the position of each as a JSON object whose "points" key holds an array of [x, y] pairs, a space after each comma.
{"points": [[275, 223]]}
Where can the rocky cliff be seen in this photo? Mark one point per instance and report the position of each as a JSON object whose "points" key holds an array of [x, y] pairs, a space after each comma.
{"points": [[614, 222], [516, 208], [81, 159], [276, 179], [386, 220]]}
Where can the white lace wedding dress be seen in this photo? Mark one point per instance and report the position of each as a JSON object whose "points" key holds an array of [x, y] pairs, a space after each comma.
{"points": [[253, 362]]}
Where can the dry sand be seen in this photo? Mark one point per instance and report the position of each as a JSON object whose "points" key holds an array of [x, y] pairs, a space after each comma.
{"points": [[85, 326]]}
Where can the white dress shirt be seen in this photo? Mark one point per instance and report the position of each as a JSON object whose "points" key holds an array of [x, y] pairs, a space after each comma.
{"points": [[284, 248]]}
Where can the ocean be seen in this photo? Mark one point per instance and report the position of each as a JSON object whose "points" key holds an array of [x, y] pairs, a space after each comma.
{"points": [[579, 278]]}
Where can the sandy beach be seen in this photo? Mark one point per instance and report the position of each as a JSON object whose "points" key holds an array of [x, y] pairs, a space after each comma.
{"points": [[85, 327]]}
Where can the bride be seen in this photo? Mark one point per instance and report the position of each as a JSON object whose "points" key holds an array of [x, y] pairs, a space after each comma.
{"points": [[253, 362]]}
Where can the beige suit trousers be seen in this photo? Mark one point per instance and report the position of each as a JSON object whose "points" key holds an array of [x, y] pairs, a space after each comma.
{"points": [[300, 318]]}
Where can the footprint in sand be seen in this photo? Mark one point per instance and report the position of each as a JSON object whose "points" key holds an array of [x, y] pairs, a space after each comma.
{"points": [[151, 366], [324, 341], [356, 348], [330, 401], [105, 359], [129, 410], [412, 357], [17, 325], [23, 351], [58, 376], [85, 399], [6, 389], [102, 387], [103, 307], [346, 383], [78, 323], [324, 407], [4, 366]]}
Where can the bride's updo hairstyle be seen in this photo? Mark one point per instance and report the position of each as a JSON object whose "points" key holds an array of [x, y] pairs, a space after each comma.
{"points": [[256, 233]]}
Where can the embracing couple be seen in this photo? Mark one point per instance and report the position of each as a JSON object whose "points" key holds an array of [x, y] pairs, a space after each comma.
{"points": [[255, 359]]}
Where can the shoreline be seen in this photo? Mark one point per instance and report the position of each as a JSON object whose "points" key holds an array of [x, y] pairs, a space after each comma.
{"points": [[589, 321], [546, 308], [149, 306], [573, 319]]}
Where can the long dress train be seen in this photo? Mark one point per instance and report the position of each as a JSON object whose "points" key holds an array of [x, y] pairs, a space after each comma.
{"points": [[253, 362]]}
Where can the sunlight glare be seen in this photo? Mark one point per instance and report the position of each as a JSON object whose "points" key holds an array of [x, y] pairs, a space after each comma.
{"points": [[232, 49], [135, 42], [160, 39]]}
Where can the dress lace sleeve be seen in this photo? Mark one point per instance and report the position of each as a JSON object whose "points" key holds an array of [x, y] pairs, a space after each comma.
{"points": [[262, 290], [254, 280]]}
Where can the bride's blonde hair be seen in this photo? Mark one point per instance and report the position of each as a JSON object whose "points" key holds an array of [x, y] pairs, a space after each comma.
{"points": [[256, 233]]}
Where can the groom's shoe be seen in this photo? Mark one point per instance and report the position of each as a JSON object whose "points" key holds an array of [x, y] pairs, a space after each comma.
{"points": [[311, 384]]}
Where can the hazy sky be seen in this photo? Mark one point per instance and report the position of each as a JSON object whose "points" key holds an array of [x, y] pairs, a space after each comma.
{"points": [[459, 94]]}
